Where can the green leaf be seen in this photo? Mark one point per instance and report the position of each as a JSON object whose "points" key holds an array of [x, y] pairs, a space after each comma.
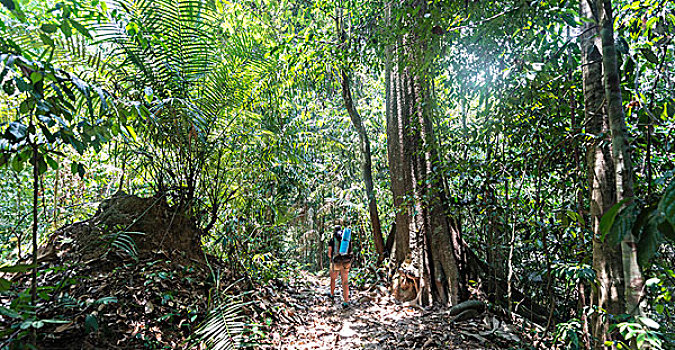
{"points": [[667, 203], [5, 284], [35, 77], [8, 87], [42, 165], [131, 131], [649, 55], [9, 312], [22, 85], [30, 104], [47, 134], [49, 28], [24, 107], [15, 131], [65, 28], [17, 163], [576, 217], [608, 218], [90, 324], [667, 229], [649, 322], [9, 4], [623, 224], [80, 170], [16, 268], [650, 239], [80, 28], [46, 39], [4, 158], [569, 20], [52, 163], [55, 321], [106, 300]]}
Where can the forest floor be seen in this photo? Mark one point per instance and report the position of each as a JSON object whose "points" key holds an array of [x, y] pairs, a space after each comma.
{"points": [[308, 319]]}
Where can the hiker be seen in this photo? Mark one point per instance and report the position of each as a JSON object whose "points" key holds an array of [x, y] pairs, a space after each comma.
{"points": [[339, 263]]}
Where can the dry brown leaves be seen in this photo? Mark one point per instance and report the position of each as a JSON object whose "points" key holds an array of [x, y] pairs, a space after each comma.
{"points": [[120, 304], [302, 316]]}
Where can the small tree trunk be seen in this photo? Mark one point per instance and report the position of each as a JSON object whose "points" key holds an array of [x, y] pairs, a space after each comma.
{"points": [[36, 188], [600, 173], [366, 165], [623, 168]]}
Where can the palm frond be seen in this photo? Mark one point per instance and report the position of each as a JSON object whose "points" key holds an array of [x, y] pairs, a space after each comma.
{"points": [[170, 43], [223, 328]]}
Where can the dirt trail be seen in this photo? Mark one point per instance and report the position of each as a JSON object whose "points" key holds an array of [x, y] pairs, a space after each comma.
{"points": [[309, 319]]}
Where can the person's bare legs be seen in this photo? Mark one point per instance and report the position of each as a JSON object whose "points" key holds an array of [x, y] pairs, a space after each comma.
{"points": [[333, 276], [344, 278]]}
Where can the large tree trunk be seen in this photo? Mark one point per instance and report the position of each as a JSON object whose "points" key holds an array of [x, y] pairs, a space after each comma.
{"points": [[600, 172], [623, 168], [366, 165], [424, 232]]}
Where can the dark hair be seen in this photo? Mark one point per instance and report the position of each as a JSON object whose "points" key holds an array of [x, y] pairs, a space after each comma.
{"points": [[337, 231]]}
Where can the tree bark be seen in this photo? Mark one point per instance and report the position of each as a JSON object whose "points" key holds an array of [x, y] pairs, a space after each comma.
{"points": [[623, 168], [600, 173], [396, 155], [424, 232], [366, 165]]}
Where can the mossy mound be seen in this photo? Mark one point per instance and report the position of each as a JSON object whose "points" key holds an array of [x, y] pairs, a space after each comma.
{"points": [[131, 277]]}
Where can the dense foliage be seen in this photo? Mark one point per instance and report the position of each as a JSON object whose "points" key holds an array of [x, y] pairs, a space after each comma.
{"points": [[233, 112]]}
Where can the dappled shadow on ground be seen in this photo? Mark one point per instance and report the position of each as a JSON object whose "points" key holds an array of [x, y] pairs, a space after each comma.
{"points": [[306, 318]]}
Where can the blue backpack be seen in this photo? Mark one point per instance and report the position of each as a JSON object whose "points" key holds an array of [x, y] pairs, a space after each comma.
{"points": [[341, 246]]}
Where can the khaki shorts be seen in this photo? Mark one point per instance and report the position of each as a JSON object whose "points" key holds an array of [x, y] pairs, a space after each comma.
{"points": [[340, 265]]}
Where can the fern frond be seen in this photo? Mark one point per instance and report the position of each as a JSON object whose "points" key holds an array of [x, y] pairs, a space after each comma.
{"points": [[122, 243]]}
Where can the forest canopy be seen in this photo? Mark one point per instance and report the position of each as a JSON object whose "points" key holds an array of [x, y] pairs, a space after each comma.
{"points": [[173, 172]]}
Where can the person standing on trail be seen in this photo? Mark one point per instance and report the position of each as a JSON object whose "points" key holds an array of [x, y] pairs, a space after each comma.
{"points": [[340, 262]]}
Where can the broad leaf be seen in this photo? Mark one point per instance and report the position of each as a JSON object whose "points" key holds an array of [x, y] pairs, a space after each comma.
{"points": [[52, 163], [16, 268], [65, 28], [9, 312], [623, 224], [80, 28], [15, 131], [667, 229], [5, 284], [649, 55], [607, 220], [650, 239], [49, 27], [46, 39], [90, 324], [667, 203], [9, 4]]}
